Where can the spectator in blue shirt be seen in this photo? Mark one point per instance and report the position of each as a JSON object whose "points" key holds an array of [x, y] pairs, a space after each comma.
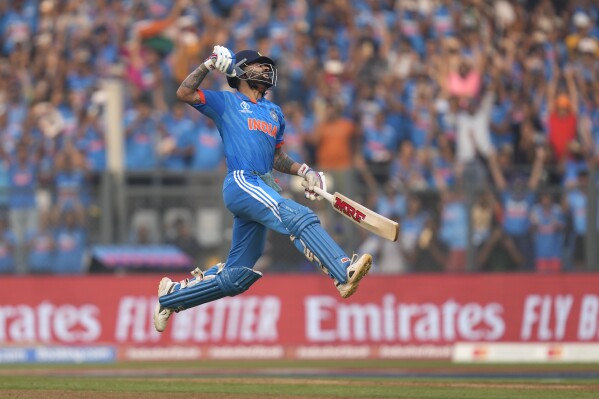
{"points": [[208, 153], [140, 133], [412, 225], [4, 183], [107, 51], [454, 228], [379, 146], [7, 248], [547, 220], [41, 246], [574, 165], [407, 170], [70, 179], [178, 131], [21, 199], [576, 204], [445, 172], [423, 118], [391, 201], [517, 200], [91, 142], [500, 119], [71, 239]]}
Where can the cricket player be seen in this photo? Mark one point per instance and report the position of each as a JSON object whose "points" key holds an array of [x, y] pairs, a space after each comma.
{"points": [[252, 128]]}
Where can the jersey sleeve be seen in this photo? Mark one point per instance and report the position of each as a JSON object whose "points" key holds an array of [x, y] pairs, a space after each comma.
{"points": [[279, 139], [212, 104]]}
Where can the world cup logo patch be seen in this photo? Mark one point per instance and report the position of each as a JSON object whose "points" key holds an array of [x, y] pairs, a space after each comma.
{"points": [[274, 116], [245, 108]]}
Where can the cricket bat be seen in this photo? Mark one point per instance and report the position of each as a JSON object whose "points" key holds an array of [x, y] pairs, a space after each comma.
{"points": [[361, 215]]}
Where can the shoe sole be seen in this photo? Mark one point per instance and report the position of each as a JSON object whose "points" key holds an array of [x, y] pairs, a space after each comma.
{"points": [[357, 277], [162, 287], [156, 315]]}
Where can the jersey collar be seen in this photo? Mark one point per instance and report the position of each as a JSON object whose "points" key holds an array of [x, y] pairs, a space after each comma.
{"points": [[246, 98]]}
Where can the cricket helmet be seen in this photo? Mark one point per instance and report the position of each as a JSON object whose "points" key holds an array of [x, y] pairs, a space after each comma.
{"points": [[244, 58]]}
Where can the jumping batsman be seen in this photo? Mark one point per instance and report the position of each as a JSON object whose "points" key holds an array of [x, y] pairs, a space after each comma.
{"points": [[252, 128]]}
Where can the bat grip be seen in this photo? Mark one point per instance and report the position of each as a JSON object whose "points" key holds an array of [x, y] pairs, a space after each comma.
{"points": [[328, 196]]}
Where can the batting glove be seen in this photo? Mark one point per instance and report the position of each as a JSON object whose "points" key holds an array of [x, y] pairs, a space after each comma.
{"points": [[225, 60], [312, 179], [209, 62]]}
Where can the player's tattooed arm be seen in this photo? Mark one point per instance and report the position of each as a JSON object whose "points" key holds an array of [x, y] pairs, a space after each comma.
{"points": [[283, 163], [188, 91]]}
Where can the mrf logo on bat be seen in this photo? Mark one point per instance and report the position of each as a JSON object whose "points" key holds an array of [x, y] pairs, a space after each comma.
{"points": [[349, 210]]}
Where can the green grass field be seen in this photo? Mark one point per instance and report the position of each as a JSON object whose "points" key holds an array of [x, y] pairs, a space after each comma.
{"points": [[301, 379]]}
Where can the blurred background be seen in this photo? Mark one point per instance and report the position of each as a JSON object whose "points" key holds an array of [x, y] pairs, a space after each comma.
{"points": [[473, 123]]}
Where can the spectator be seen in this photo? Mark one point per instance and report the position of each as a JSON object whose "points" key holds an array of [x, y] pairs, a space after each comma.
{"points": [[430, 254], [184, 240], [379, 145], [141, 137], [70, 180], [447, 116], [142, 235], [576, 204], [296, 132], [22, 201], [41, 246], [563, 111], [517, 200], [582, 24], [71, 239], [208, 151], [454, 229], [412, 226], [484, 223], [501, 118], [547, 222], [575, 163], [4, 183], [423, 119], [7, 248], [589, 130], [407, 171], [473, 124], [391, 201], [464, 80], [335, 140], [90, 141], [176, 146], [445, 172]]}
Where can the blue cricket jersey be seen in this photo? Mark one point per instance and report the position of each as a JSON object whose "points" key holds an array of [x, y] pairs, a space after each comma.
{"points": [[548, 237], [251, 131]]}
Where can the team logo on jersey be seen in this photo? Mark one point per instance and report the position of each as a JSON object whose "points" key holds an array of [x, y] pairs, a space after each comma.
{"points": [[245, 108], [274, 116]]}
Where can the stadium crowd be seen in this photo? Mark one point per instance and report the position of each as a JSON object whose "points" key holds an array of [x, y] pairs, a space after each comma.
{"points": [[428, 104]]}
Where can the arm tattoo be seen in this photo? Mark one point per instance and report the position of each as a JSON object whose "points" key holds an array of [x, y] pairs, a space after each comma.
{"points": [[283, 162], [193, 81]]}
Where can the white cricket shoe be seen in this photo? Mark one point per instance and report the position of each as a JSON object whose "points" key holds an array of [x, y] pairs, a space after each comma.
{"points": [[161, 314], [355, 271]]}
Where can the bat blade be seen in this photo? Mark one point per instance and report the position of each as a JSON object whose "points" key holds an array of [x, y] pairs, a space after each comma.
{"points": [[365, 217], [361, 215]]}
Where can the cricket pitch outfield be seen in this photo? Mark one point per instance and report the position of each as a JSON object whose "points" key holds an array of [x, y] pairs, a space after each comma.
{"points": [[300, 379]]}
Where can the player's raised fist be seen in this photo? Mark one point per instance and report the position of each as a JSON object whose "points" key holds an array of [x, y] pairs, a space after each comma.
{"points": [[224, 60]]}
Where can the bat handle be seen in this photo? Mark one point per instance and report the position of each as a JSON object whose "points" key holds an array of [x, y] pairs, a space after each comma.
{"points": [[328, 196]]}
